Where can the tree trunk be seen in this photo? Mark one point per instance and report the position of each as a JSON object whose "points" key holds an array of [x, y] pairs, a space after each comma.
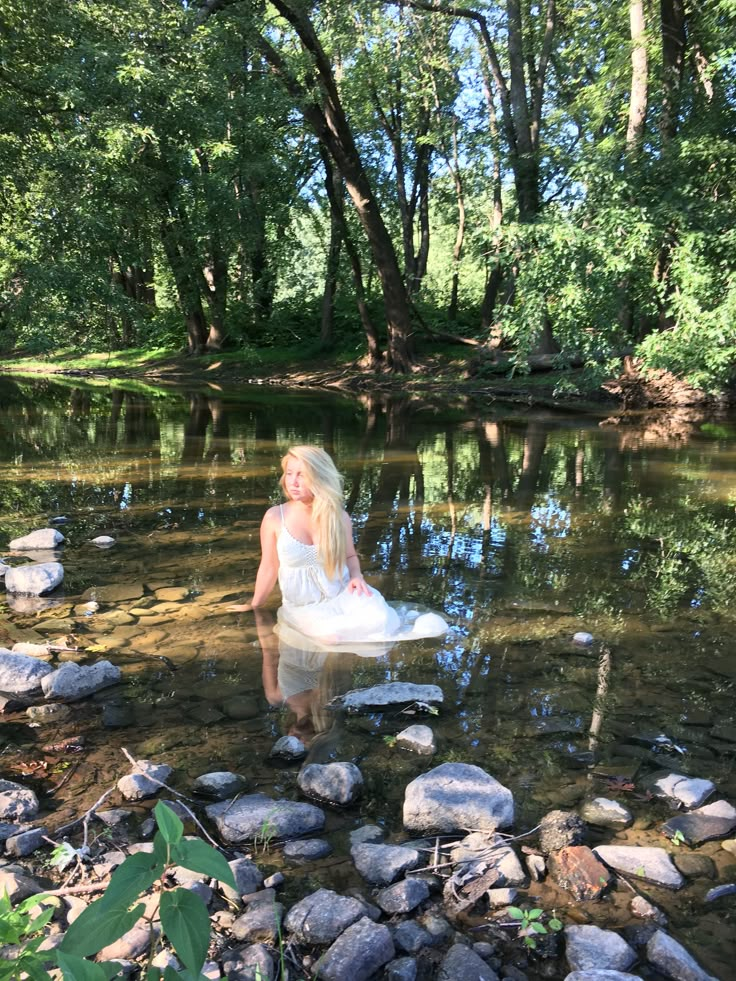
{"points": [[187, 291], [334, 191], [672, 14], [639, 76]]}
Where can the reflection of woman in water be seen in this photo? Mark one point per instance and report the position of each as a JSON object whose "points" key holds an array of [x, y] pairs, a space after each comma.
{"points": [[307, 545]]}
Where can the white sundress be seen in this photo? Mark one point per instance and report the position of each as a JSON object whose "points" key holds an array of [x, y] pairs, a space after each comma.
{"points": [[322, 609]]}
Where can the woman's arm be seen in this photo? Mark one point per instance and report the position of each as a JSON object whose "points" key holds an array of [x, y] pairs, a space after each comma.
{"points": [[357, 583], [268, 569]]}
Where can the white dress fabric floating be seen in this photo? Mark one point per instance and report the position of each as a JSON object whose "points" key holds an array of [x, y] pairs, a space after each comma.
{"points": [[322, 609]]}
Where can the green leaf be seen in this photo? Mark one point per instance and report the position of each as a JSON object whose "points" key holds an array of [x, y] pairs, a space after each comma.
{"points": [[169, 823], [186, 923], [197, 856], [88, 934], [137, 874], [77, 969], [530, 942], [515, 913], [538, 927], [555, 924], [534, 914]]}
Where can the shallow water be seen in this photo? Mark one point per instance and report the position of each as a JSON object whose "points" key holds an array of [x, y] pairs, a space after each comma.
{"points": [[520, 526]]}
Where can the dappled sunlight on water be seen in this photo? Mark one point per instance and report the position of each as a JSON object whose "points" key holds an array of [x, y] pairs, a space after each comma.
{"points": [[521, 528]]}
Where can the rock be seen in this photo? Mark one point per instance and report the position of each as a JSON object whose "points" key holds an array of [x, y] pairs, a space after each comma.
{"points": [[322, 916], [115, 593], [44, 714], [606, 813], [577, 870], [368, 834], [43, 538], [410, 937], [582, 638], [258, 816], [248, 879], [289, 748], [336, 783], [358, 953], [694, 866], [671, 958], [118, 716], [478, 853], [261, 922], [114, 816], [103, 541], [73, 681], [383, 864], [718, 892], [26, 842], [716, 820], [241, 707], [253, 963], [505, 896], [131, 945], [394, 693], [21, 674], [137, 786], [17, 803], [417, 739], [595, 974], [402, 969], [649, 864], [688, 791], [403, 896], [436, 926], [645, 910], [536, 865], [40, 651], [206, 715], [558, 829], [589, 947], [307, 850], [457, 795], [18, 886], [221, 784], [463, 962], [34, 579]]}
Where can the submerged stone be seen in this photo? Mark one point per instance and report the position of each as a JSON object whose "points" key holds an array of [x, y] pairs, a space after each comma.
{"points": [[257, 816], [457, 795]]}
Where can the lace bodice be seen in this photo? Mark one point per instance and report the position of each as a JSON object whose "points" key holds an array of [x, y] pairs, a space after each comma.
{"points": [[302, 577]]}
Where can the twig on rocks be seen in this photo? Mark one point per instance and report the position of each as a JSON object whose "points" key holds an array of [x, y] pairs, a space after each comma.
{"points": [[85, 817]]}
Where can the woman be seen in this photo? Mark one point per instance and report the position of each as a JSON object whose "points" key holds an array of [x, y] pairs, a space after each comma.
{"points": [[307, 546]]}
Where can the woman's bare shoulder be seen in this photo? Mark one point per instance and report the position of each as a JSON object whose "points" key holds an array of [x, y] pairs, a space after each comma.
{"points": [[273, 515]]}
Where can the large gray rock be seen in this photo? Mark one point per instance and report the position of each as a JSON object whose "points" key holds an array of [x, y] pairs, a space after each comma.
{"points": [[463, 962], [322, 916], [43, 538], [673, 960], [687, 791], [589, 947], [21, 674], [261, 922], [251, 963], [307, 850], [606, 813], [649, 864], [248, 879], [73, 681], [358, 954], [139, 785], [336, 783], [417, 739], [17, 803], [259, 817], [560, 829], [220, 784], [457, 795], [403, 896], [383, 864], [393, 693], [34, 579], [716, 820]]}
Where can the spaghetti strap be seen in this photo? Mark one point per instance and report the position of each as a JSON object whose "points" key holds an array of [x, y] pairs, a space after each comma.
{"points": [[281, 512]]}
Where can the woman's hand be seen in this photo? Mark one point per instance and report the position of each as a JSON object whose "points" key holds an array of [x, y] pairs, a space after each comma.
{"points": [[240, 608], [358, 586]]}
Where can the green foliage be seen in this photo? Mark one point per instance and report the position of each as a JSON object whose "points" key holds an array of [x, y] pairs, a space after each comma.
{"points": [[184, 918], [530, 923]]}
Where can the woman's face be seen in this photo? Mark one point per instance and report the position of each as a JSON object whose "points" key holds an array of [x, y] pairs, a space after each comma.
{"points": [[296, 483]]}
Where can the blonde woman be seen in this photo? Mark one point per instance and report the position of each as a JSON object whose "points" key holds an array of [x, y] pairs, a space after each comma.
{"points": [[307, 546]]}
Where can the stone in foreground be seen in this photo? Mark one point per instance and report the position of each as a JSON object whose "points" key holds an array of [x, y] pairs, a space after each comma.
{"points": [[40, 540], [73, 681], [577, 870], [671, 958], [34, 579], [257, 816], [716, 820], [457, 795], [383, 864], [687, 791], [335, 783], [463, 962], [394, 693], [648, 864], [17, 803], [220, 784], [359, 953], [145, 782], [322, 916], [417, 739], [606, 813], [588, 947], [21, 674]]}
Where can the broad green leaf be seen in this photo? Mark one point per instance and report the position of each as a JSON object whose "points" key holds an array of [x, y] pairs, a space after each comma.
{"points": [[538, 927], [515, 913], [161, 850], [197, 856], [555, 924], [169, 824], [88, 934], [136, 875], [77, 969], [186, 923], [534, 914]]}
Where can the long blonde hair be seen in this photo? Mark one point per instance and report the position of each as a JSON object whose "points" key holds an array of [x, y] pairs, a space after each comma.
{"points": [[326, 485]]}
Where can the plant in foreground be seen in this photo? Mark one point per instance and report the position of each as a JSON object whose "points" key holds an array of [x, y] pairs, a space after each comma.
{"points": [[184, 918], [530, 924]]}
